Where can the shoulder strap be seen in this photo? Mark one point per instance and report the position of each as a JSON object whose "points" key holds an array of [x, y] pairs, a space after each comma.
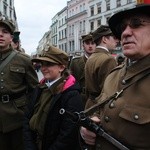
{"points": [[101, 104], [7, 60]]}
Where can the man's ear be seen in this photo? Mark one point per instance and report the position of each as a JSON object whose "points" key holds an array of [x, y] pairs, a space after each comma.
{"points": [[104, 39], [62, 67]]}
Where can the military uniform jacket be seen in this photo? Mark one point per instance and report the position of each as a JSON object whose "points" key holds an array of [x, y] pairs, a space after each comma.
{"points": [[97, 67], [77, 68], [127, 118], [17, 80]]}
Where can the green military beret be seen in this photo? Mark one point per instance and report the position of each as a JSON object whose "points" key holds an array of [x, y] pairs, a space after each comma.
{"points": [[103, 30], [16, 36], [8, 24], [54, 55], [87, 37]]}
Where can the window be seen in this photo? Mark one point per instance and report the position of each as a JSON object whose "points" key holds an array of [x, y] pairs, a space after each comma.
{"points": [[98, 22], [73, 46], [80, 8], [107, 5], [5, 10], [130, 1], [118, 3], [92, 11], [83, 6], [80, 27], [72, 29], [83, 25], [98, 9], [92, 26], [65, 33], [10, 3], [107, 18], [69, 30]]}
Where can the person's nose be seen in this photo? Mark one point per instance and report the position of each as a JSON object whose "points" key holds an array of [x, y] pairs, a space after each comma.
{"points": [[127, 31]]}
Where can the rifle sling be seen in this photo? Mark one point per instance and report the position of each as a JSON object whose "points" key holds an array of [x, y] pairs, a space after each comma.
{"points": [[101, 104]]}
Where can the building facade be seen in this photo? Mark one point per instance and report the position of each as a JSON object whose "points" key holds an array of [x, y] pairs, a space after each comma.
{"points": [[76, 22], [7, 10], [62, 29], [80, 17]]}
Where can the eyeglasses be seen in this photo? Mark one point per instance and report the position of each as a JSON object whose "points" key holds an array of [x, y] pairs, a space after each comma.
{"points": [[133, 23]]}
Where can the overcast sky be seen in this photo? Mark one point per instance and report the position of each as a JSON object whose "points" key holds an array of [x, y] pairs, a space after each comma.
{"points": [[34, 19]]}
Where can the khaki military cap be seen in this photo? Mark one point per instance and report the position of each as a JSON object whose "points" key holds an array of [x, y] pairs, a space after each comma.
{"points": [[87, 37], [7, 23], [103, 30], [54, 55]]}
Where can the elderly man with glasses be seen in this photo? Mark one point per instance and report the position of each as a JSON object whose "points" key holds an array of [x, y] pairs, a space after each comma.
{"points": [[125, 116]]}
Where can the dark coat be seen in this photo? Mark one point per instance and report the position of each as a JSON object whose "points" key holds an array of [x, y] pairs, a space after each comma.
{"points": [[60, 133]]}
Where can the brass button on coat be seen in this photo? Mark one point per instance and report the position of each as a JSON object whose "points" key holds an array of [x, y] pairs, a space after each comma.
{"points": [[136, 117], [107, 119], [123, 82], [112, 105], [2, 80]]}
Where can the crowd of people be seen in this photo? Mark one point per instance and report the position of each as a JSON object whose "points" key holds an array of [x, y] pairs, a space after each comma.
{"points": [[112, 94]]}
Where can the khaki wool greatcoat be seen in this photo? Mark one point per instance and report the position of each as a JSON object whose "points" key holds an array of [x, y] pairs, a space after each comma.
{"points": [[97, 67], [127, 118]]}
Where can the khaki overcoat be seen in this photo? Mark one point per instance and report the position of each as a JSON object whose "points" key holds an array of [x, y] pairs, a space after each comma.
{"points": [[127, 118]]}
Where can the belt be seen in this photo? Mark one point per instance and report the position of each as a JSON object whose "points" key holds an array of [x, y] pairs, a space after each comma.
{"points": [[5, 98]]}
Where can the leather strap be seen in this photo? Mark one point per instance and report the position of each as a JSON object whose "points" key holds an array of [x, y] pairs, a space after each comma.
{"points": [[115, 96], [7, 60]]}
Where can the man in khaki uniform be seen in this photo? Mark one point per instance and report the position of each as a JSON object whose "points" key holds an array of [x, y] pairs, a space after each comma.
{"points": [[77, 65], [126, 116], [17, 80], [100, 63]]}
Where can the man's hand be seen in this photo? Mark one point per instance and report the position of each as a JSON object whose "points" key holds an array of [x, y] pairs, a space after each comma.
{"points": [[88, 136]]}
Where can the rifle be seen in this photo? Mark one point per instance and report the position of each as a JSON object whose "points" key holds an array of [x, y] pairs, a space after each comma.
{"points": [[82, 120]]}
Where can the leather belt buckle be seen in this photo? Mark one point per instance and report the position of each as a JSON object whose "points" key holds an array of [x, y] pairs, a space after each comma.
{"points": [[5, 98]]}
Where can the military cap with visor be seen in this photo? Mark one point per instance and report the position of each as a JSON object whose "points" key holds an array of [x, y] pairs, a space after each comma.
{"points": [[8, 24], [54, 55], [117, 19], [103, 30], [87, 37]]}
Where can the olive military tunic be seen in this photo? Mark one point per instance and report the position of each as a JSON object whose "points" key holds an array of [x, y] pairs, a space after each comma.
{"points": [[97, 67], [17, 80], [77, 68], [127, 118]]}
